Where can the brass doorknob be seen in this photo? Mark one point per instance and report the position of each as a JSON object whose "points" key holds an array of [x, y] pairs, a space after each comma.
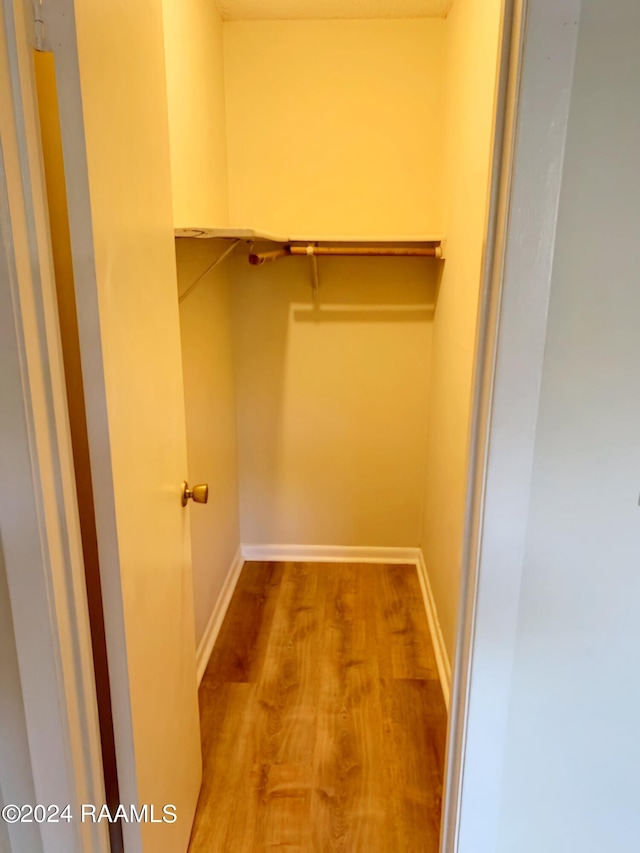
{"points": [[199, 493]]}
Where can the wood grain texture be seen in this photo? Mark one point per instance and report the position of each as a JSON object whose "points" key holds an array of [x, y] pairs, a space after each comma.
{"points": [[323, 722]]}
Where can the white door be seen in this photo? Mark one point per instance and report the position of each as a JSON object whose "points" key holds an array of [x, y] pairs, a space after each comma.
{"points": [[112, 99]]}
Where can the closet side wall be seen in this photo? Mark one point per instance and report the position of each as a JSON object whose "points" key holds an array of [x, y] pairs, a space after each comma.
{"points": [[209, 387], [472, 35], [334, 127], [195, 99]]}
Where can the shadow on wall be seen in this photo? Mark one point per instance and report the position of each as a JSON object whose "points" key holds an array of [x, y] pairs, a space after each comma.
{"points": [[332, 398], [318, 313]]}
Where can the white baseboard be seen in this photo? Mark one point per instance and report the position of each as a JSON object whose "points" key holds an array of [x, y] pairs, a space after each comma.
{"points": [[329, 554], [208, 641], [442, 658], [360, 554]]}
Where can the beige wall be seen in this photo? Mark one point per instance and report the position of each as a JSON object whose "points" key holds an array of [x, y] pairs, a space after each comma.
{"points": [[207, 360], [196, 104], [472, 31], [573, 752], [334, 127], [195, 99], [332, 402]]}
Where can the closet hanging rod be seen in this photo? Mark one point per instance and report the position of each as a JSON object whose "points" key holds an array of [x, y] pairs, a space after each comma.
{"points": [[256, 258]]}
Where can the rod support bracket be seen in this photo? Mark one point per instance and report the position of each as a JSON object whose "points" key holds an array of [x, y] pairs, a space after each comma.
{"points": [[315, 278]]}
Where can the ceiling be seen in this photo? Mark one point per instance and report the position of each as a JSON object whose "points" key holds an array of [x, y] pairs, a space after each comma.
{"points": [[262, 10]]}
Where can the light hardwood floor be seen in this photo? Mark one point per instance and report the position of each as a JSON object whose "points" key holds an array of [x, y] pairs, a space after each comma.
{"points": [[323, 722]]}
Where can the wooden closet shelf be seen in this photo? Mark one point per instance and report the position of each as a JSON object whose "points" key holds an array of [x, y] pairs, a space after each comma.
{"points": [[255, 235], [249, 234]]}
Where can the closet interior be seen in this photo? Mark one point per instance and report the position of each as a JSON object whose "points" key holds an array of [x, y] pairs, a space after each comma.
{"points": [[330, 169]]}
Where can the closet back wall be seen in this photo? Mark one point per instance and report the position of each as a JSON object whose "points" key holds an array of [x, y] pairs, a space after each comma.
{"points": [[332, 401], [335, 127]]}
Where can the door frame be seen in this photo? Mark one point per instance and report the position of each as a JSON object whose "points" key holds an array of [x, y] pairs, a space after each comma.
{"points": [[40, 529], [38, 506], [537, 57]]}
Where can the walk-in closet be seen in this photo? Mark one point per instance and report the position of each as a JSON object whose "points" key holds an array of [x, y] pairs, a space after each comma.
{"points": [[330, 167], [317, 172]]}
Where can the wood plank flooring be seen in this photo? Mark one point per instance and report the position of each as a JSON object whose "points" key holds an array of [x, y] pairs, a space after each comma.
{"points": [[323, 722]]}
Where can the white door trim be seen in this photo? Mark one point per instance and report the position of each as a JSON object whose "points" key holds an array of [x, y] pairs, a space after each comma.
{"points": [[538, 55], [329, 553], [214, 624], [38, 508]]}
